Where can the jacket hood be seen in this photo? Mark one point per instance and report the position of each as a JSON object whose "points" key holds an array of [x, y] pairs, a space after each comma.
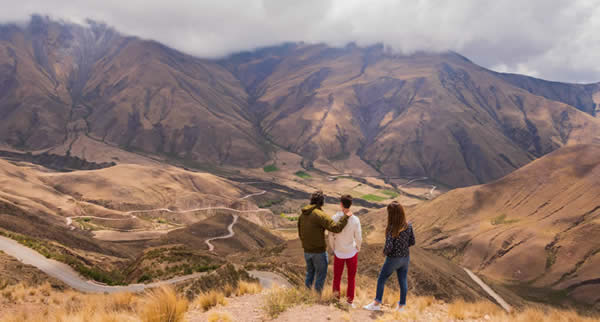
{"points": [[307, 210]]}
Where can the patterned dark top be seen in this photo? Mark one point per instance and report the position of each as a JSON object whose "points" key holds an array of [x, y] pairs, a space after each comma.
{"points": [[398, 246]]}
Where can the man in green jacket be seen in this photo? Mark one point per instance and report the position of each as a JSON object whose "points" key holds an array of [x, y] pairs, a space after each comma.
{"points": [[312, 224]]}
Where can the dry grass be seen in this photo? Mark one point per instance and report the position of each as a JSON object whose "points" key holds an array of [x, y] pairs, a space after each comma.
{"points": [[162, 304], [248, 288], [210, 299], [544, 314], [462, 310], [42, 303], [278, 300], [219, 317]]}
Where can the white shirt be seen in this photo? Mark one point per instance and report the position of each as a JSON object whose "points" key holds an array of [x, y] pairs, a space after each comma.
{"points": [[346, 243]]}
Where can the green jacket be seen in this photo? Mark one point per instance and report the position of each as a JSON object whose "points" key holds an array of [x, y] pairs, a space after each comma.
{"points": [[312, 224]]}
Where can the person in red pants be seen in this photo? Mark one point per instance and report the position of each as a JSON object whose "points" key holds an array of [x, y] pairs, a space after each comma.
{"points": [[346, 245]]}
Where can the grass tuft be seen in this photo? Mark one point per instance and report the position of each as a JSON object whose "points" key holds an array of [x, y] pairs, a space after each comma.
{"points": [[208, 300], [278, 300], [248, 288], [164, 305], [219, 317]]}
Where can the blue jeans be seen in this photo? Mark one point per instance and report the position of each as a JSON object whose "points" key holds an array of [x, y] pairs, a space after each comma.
{"points": [[400, 265], [316, 263]]}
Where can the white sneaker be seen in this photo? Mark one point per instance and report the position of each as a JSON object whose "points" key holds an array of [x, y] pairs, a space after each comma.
{"points": [[351, 305], [373, 306], [399, 308]]}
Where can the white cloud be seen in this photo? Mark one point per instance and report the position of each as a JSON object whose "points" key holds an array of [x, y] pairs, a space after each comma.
{"points": [[553, 39]]}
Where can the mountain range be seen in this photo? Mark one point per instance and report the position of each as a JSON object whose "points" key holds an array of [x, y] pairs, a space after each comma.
{"points": [[70, 89]]}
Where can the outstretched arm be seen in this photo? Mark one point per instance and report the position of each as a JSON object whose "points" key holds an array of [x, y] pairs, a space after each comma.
{"points": [[328, 224]]}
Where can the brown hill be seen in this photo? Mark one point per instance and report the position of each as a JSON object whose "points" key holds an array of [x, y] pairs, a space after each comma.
{"points": [[536, 229], [84, 89], [247, 235], [111, 191]]}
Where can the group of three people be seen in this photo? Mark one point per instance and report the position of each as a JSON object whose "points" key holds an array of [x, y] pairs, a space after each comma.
{"points": [[345, 239]]}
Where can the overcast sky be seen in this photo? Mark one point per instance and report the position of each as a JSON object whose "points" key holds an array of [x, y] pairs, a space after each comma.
{"points": [[552, 39]]}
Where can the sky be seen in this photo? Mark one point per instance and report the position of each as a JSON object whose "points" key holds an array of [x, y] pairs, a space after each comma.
{"points": [[551, 39]]}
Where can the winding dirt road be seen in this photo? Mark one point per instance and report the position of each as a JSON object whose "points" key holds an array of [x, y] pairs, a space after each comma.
{"points": [[231, 233], [70, 277]]}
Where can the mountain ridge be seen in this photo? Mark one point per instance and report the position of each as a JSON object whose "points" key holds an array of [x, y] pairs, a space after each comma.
{"points": [[362, 109]]}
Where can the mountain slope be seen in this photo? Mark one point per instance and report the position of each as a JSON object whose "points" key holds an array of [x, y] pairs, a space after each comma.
{"points": [[584, 97], [61, 81], [536, 228], [435, 115], [87, 89]]}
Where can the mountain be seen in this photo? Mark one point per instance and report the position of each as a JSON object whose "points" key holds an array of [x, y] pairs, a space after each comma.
{"points": [[63, 81], [435, 115], [72, 89], [536, 229]]}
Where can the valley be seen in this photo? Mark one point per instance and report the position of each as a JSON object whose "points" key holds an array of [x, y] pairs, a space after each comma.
{"points": [[129, 166]]}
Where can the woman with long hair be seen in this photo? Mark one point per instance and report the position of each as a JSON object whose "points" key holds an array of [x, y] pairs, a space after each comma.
{"points": [[399, 237]]}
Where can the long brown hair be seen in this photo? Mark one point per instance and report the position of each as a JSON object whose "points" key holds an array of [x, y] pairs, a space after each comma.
{"points": [[396, 219]]}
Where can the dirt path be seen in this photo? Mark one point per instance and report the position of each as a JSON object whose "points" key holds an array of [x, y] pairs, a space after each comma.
{"points": [[254, 194], [413, 180], [231, 233], [69, 220], [489, 290], [70, 277]]}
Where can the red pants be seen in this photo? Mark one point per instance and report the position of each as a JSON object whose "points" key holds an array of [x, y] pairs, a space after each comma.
{"points": [[338, 270]]}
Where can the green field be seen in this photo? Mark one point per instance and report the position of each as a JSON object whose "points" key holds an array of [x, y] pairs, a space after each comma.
{"points": [[302, 174], [372, 197], [270, 168], [390, 193]]}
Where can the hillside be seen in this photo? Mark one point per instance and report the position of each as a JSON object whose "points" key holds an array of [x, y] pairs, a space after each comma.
{"points": [[111, 191], [535, 229], [65, 83], [91, 92], [585, 97]]}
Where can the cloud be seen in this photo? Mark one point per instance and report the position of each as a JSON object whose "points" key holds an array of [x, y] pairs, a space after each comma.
{"points": [[552, 39]]}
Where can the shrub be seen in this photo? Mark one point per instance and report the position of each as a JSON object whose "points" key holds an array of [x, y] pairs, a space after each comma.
{"points": [[163, 305], [270, 168], [302, 174], [206, 301], [248, 288], [278, 300]]}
